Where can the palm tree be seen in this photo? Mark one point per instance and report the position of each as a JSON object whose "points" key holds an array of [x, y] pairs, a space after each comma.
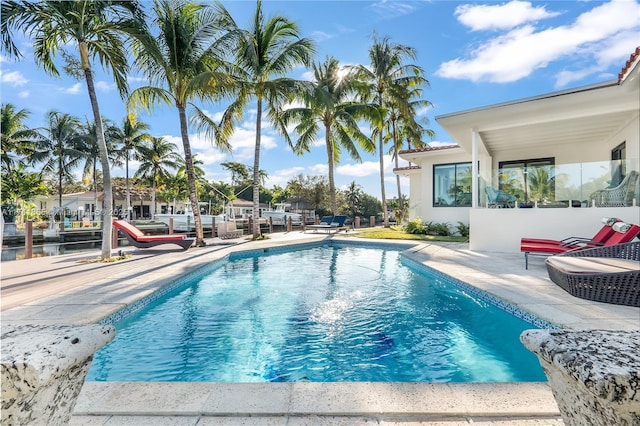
{"points": [[95, 26], [402, 124], [387, 73], [330, 105], [92, 155], [266, 52], [156, 156], [181, 66], [63, 142], [130, 138], [353, 196], [16, 140]]}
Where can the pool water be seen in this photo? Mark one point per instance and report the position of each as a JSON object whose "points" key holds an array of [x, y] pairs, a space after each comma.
{"points": [[323, 314]]}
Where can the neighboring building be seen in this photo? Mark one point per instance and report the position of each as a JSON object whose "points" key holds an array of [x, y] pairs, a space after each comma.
{"points": [[88, 204], [552, 150]]}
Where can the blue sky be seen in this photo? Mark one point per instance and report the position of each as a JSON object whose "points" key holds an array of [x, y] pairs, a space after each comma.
{"points": [[474, 54]]}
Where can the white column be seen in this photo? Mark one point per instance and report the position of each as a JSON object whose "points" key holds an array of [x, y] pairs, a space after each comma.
{"points": [[474, 168]]}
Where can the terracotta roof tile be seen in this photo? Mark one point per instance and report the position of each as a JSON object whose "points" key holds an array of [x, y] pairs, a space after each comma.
{"points": [[428, 148], [628, 65], [399, 169]]}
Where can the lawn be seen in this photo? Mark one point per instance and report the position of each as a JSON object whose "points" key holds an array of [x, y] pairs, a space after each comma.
{"points": [[397, 233]]}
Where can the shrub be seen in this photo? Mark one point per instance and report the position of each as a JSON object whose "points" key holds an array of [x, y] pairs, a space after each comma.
{"points": [[463, 229], [439, 229], [414, 227]]}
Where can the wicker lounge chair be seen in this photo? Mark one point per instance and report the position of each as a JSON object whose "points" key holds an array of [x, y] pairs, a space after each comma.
{"points": [[619, 196], [137, 238], [609, 274]]}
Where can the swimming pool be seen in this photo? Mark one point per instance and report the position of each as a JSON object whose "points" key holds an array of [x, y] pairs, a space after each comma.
{"points": [[327, 313]]}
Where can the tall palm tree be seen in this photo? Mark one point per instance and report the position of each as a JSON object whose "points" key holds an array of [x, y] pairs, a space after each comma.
{"points": [[95, 27], [63, 142], [265, 53], [129, 138], [402, 124], [92, 155], [16, 140], [156, 156], [329, 104], [387, 72], [181, 65]]}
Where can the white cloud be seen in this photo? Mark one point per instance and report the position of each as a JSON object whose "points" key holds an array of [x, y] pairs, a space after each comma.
{"points": [[393, 8], [319, 169], [14, 78], [282, 176], [73, 90], [105, 86], [500, 16], [514, 55], [366, 168], [24, 94], [320, 36]]}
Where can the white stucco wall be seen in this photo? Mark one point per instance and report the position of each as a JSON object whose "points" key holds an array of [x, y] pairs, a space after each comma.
{"points": [[500, 230]]}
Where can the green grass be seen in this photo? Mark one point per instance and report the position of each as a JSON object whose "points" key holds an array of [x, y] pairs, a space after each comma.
{"points": [[396, 233]]}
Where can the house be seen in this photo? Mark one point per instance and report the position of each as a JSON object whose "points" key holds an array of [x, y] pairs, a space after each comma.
{"points": [[88, 204], [548, 154]]}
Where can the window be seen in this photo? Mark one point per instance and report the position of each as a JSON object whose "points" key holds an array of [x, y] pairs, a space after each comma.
{"points": [[528, 180], [452, 185], [618, 170]]}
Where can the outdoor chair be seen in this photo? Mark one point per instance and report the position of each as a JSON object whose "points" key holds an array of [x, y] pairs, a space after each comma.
{"points": [[330, 223], [497, 198], [624, 233], [137, 238], [619, 196], [599, 238], [609, 274]]}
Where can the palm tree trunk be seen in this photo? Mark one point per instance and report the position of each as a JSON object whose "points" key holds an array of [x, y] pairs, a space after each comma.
{"points": [[332, 185], [126, 162], [395, 150], [104, 157], [256, 174], [381, 147], [382, 191], [95, 191], [191, 177]]}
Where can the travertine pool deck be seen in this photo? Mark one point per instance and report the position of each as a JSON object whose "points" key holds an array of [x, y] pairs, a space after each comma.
{"points": [[61, 289]]}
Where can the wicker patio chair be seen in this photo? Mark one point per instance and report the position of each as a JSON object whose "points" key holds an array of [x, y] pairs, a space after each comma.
{"points": [[609, 274], [620, 196]]}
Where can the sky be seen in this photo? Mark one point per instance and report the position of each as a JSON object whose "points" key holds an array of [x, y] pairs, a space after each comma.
{"points": [[473, 54]]}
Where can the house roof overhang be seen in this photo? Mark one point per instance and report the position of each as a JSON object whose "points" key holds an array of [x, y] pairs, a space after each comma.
{"points": [[582, 115]]}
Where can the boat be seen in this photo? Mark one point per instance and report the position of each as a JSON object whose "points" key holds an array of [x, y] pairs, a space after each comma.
{"points": [[184, 221], [280, 215]]}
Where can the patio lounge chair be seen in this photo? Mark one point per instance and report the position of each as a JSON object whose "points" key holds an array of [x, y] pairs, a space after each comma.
{"points": [[499, 199], [228, 229], [137, 238], [330, 223], [609, 274], [623, 233], [599, 238], [619, 196]]}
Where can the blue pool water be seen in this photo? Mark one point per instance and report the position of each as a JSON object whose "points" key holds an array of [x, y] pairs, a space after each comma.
{"points": [[321, 314]]}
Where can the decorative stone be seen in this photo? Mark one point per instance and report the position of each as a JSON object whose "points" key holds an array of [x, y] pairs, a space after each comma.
{"points": [[594, 374], [43, 369]]}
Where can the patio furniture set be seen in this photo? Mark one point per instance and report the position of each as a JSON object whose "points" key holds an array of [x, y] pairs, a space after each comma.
{"points": [[605, 268]]}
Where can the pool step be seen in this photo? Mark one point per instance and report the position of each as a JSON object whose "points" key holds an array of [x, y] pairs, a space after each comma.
{"points": [[318, 403]]}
